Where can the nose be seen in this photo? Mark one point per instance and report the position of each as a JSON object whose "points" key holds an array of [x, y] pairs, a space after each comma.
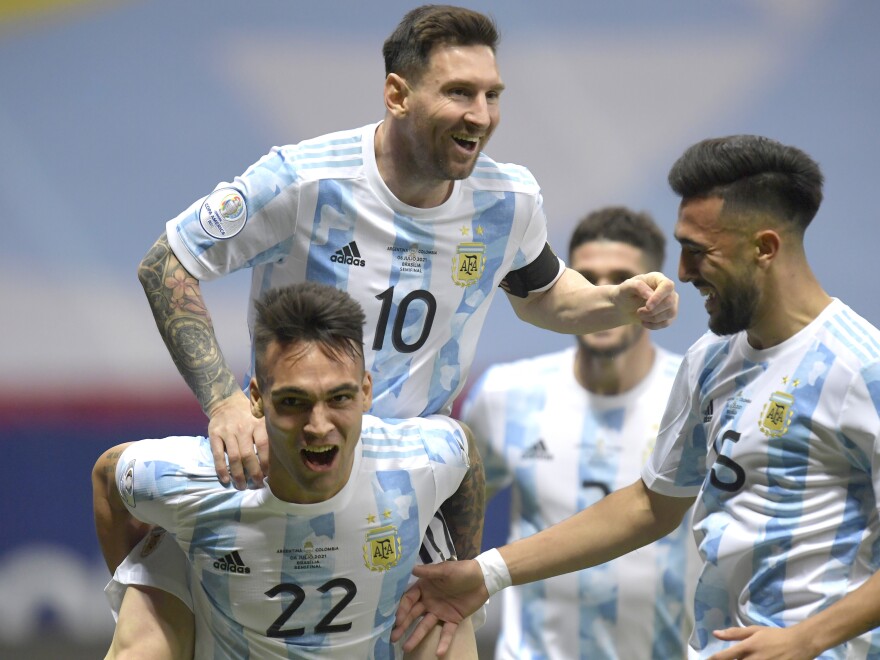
{"points": [[685, 267], [479, 113], [318, 424]]}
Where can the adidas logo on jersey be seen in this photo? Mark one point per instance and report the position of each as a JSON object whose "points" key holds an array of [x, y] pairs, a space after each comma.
{"points": [[349, 255], [710, 410], [231, 563], [537, 450]]}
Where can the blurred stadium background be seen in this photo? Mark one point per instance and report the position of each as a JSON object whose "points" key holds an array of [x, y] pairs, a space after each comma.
{"points": [[115, 115]]}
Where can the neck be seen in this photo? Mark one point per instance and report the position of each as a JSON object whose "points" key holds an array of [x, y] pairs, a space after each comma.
{"points": [[399, 171], [790, 302], [615, 375]]}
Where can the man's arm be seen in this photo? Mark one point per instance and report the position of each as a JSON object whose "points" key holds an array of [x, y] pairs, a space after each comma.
{"points": [[118, 531], [575, 306], [465, 510], [626, 519], [854, 614], [183, 320]]}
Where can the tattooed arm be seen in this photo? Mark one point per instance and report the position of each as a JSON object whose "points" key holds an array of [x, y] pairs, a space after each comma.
{"points": [[464, 511], [176, 300]]}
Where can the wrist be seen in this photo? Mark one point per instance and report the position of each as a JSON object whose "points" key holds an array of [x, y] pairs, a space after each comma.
{"points": [[495, 573]]}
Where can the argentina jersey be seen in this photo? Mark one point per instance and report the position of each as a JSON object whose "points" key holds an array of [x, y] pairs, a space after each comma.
{"points": [[271, 578], [782, 441], [320, 211], [562, 449]]}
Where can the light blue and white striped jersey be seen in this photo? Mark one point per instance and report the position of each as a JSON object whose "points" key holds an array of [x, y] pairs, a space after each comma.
{"points": [[272, 579], [781, 447], [563, 449], [320, 211]]}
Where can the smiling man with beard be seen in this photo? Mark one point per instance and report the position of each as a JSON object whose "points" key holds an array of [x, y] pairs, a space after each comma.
{"points": [[565, 429], [772, 432]]}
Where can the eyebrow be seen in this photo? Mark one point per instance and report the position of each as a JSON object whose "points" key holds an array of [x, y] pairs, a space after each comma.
{"points": [[339, 389]]}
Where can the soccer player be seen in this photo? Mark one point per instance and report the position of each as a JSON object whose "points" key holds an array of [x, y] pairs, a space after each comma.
{"points": [[409, 217], [314, 564], [566, 429], [772, 428]]}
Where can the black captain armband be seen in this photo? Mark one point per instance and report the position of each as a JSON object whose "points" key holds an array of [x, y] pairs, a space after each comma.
{"points": [[533, 277]]}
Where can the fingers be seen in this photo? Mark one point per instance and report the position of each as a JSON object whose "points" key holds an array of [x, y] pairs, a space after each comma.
{"points": [[424, 626], [409, 609], [234, 432], [446, 635], [731, 634], [219, 453]]}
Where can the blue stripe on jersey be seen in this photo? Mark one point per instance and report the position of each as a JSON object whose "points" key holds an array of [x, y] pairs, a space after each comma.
{"points": [[486, 168], [391, 367], [332, 229], [669, 611], [597, 470], [491, 225], [786, 477], [861, 334]]}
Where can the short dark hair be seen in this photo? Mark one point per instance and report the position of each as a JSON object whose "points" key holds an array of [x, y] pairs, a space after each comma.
{"points": [[621, 224], [407, 50], [751, 173], [308, 312]]}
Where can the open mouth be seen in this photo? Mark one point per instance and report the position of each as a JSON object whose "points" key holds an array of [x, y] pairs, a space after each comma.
{"points": [[318, 458], [467, 142]]}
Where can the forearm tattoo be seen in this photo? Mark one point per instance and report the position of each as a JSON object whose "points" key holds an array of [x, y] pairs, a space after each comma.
{"points": [[465, 510], [185, 325]]}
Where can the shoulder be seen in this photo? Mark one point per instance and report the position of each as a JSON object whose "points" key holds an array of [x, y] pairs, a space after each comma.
{"points": [[413, 440], [853, 339], [334, 155], [502, 177]]}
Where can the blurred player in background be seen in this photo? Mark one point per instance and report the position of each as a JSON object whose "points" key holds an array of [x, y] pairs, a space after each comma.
{"points": [[566, 429]]}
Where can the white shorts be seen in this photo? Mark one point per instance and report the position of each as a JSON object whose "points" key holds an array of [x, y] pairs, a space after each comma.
{"points": [[157, 561]]}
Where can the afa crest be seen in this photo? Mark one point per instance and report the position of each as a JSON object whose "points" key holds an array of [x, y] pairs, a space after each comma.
{"points": [[382, 549], [776, 414], [468, 263]]}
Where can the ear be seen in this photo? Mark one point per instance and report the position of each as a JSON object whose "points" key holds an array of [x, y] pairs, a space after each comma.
{"points": [[396, 95], [767, 243], [256, 399], [367, 386]]}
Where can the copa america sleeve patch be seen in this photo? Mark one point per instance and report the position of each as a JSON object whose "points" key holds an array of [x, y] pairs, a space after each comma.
{"points": [[126, 484], [223, 213]]}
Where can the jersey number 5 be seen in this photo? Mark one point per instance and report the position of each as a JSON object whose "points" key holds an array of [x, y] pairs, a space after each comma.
{"points": [[739, 475], [326, 624]]}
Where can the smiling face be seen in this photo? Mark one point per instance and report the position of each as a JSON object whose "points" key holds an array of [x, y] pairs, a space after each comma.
{"points": [[451, 111], [609, 262], [313, 404], [718, 260]]}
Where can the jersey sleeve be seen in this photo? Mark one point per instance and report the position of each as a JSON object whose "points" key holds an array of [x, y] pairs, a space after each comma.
{"points": [[241, 224], [483, 411], [447, 449], [153, 476], [677, 465], [535, 267]]}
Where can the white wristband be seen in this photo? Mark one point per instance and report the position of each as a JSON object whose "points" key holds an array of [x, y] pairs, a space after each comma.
{"points": [[495, 573]]}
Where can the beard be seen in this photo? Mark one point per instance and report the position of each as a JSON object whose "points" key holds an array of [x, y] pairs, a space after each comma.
{"points": [[612, 351], [736, 309]]}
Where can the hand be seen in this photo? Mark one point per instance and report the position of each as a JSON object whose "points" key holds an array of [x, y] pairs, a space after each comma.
{"points": [[763, 643], [234, 432], [652, 297], [446, 592]]}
